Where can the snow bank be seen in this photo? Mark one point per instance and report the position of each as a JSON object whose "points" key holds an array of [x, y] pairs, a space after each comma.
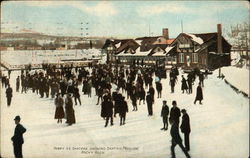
{"points": [[238, 77]]}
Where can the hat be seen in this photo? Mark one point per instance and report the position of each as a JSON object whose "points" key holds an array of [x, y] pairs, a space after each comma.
{"points": [[17, 118], [183, 110]]}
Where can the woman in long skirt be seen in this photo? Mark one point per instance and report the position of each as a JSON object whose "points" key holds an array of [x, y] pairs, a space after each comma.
{"points": [[59, 114], [70, 113]]}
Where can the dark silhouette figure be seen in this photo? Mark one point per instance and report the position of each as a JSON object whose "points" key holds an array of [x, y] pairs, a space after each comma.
{"points": [[17, 139], [176, 139], [199, 94], [184, 86], [9, 95], [122, 111], [185, 128], [70, 113], [175, 113], [107, 110], [159, 89], [149, 104], [164, 115], [17, 83]]}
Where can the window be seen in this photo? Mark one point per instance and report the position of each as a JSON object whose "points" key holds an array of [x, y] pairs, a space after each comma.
{"points": [[181, 58], [159, 40], [184, 45], [195, 57]]}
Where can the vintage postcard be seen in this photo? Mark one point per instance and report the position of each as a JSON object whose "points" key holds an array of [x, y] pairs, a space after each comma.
{"points": [[124, 79]]}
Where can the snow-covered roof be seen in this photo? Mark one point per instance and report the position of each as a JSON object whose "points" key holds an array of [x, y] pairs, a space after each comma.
{"points": [[138, 41], [195, 38], [118, 45], [169, 48]]}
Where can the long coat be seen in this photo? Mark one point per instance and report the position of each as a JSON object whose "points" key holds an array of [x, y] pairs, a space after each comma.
{"points": [[59, 114], [164, 113], [184, 84], [123, 108], [199, 94], [185, 125], [18, 134], [70, 113], [9, 92], [175, 133], [107, 108], [175, 114]]}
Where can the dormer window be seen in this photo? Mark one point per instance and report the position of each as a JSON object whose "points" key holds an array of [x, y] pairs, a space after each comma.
{"points": [[159, 40]]}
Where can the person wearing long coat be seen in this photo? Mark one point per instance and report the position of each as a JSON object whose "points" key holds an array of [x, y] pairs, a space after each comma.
{"points": [[149, 104], [59, 113], [159, 89], [184, 86], [70, 113], [9, 95], [199, 94], [123, 109], [107, 110], [164, 115], [185, 128], [76, 95], [175, 113], [176, 139]]}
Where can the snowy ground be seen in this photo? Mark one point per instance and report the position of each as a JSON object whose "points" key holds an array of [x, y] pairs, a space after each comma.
{"points": [[238, 77], [219, 127]]}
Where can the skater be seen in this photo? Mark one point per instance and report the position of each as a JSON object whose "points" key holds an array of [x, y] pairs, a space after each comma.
{"points": [[172, 83], [164, 115], [17, 139], [184, 86], [158, 88], [76, 95], [17, 83], [190, 83], [108, 110], [149, 104], [123, 110], [59, 114], [185, 128], [175, 113], [199, 94], [152, 92], [9, 95], [176, 139], [201, 79], [70, 113]]}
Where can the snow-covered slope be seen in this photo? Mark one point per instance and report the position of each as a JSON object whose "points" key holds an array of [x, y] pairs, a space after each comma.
{"points": [[219, 127], [238, 77]]}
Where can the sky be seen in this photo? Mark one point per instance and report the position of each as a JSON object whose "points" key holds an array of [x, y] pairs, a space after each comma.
{"points": [[121, 19]]}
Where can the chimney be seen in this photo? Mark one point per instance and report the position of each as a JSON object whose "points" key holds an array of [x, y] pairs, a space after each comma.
{"points": [[165, 33], [219, 39]]}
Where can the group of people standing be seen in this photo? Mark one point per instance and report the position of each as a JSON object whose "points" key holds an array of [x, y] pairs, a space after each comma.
{"points": [[115, 88]]}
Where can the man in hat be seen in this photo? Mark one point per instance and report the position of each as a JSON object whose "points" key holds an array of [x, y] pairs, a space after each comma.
{"points": [[176, 138], [164, 115], [17, 139], [175, 113], [185, 128]]}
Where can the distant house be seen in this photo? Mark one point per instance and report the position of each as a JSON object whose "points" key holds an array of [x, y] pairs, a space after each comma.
{"points": [[206, 50], [189, 51]]}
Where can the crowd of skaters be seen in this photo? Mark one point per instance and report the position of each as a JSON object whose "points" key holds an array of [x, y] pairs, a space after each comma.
{"points": [[113, 86]]}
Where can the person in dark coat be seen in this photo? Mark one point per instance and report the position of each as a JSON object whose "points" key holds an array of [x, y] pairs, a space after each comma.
{"points": [[9, 95], [116, 97], [175, 113], [141, 95], [172, 83], [199, 94], [164, 115], [201, 79], [17, 139], [76, 95], [108, 110], [190, 83], [17, 83], [123, 110], [184, 86], [158, 88], [176, 139], [70, 113], [185, 128], [152, 92], [149, 104], [59, 113]]}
